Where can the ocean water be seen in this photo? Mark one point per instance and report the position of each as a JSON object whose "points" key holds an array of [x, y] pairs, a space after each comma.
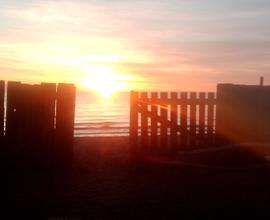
{"points": [[98, 116]]}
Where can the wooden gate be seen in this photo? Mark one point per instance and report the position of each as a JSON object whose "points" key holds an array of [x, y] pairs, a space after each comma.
{"points": [[172, 119], [37, 119]]}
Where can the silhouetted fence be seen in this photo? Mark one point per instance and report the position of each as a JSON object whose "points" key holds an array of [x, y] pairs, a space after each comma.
{"points": [[181, 119], [243, 113], [37, 119], [237, 114]]}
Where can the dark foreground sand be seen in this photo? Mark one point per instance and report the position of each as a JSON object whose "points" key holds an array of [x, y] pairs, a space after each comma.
{"points": [[229, 183]]}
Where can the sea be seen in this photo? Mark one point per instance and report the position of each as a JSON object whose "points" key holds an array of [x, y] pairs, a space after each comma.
{"points": [[99, 116]]}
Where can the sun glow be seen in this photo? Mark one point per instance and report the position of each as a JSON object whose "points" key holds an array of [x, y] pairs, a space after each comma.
{"points": [[104, 81]]}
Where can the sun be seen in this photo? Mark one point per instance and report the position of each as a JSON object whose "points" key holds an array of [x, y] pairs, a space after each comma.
{"points": [[103, 80]]}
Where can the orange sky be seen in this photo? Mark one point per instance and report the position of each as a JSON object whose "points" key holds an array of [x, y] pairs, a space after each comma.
{"points": [[145, 45]]}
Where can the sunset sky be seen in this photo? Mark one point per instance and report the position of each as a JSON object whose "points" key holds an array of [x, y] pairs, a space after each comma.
{"points": [[138, 44]]}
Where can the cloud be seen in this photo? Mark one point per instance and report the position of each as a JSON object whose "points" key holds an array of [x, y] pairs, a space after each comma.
{"points": [[171, 42]]}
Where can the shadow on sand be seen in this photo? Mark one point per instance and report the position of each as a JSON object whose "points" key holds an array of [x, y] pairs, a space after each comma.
{"points": [[104, 183]]}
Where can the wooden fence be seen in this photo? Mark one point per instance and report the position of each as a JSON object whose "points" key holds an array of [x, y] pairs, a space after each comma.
{"points": [[37, 118], [243, 113], [181, 119]]}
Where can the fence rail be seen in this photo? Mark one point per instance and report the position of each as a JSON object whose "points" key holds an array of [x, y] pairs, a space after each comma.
{"points": [[186, 119]]}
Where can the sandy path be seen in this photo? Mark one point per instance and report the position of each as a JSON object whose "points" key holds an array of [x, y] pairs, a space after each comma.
{"points": [[104, 184]]}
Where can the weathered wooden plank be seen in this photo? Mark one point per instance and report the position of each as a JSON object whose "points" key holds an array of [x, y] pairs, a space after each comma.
{"points": [[263, 121], [2, 109], [154, 112], [22, 124], [12, 111], [202, 121], [193, 99], [174, 122], [144, 120], [238, 103], [133, 132], [223, 113], [23, 120], [65, 110], [48, 103], [174, 118], [210, 118], [26, 117], [184, 119], [64, 123], [27, 113], [164, 117]]}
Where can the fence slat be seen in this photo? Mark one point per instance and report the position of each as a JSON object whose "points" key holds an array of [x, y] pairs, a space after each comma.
{"points": [[47, 112], [2, 109], [164, 116], [174, 118], [192, 119], [144, 119], [183, 129], [263, 119], [134, 115], [174, 121], [202, 116], [210, 118], [154, 112], [48, 93], [65, 110], [13, 89], [28, 115]]}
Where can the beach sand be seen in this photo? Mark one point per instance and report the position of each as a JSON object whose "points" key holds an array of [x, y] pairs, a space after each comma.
{"points": [[103, 183]]}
